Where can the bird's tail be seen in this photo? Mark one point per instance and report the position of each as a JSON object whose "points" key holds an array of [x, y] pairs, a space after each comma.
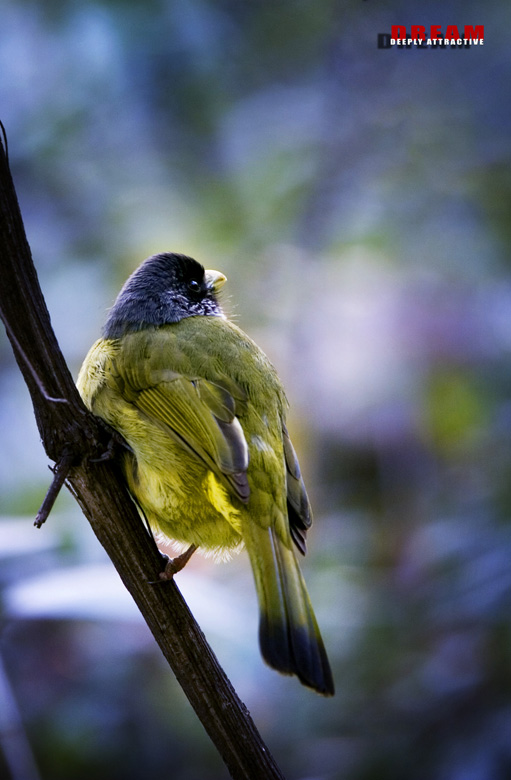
{"points": [[289, 636]]}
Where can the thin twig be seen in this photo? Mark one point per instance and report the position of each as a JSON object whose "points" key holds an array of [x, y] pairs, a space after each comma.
{"points": [[4, 141], [25, 358], [61, 472]]}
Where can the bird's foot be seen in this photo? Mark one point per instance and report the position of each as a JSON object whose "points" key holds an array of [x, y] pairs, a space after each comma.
{"points": [[174, 565], [115, 443]]}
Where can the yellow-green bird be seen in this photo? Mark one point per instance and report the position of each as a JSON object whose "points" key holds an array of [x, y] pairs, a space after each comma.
{"points": [[209, 460]]}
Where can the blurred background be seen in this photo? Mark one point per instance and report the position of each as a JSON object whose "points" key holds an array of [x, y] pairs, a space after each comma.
{"points": [[358, 200]]}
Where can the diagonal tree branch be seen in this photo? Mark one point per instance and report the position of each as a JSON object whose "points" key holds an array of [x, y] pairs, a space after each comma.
{"points": [[73, 438]]}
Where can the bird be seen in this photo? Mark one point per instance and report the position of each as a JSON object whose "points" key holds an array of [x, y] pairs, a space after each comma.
{"points": [[208, 458]]}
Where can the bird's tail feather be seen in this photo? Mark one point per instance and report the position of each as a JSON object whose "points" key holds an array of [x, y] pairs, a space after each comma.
{"points": [[288, 632]]}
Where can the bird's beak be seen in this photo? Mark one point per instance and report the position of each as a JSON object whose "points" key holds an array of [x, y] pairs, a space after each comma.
{"points": [[215, 280]]}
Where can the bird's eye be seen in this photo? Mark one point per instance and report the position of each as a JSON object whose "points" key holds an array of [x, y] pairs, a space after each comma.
{"points": [[194, 286]]}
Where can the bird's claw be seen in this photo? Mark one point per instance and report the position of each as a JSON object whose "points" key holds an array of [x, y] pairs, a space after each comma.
{"points": [[174, 565]]}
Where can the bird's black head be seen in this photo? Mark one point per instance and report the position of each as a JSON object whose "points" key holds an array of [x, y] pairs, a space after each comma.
{"points": [[166, 288]]}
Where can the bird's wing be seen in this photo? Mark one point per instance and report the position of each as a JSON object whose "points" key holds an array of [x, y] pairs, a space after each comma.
{"points": [[200, 414], [298, 506]]}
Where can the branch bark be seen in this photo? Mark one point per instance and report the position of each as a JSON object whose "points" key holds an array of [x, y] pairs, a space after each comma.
{"points": [[71, 435]]}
